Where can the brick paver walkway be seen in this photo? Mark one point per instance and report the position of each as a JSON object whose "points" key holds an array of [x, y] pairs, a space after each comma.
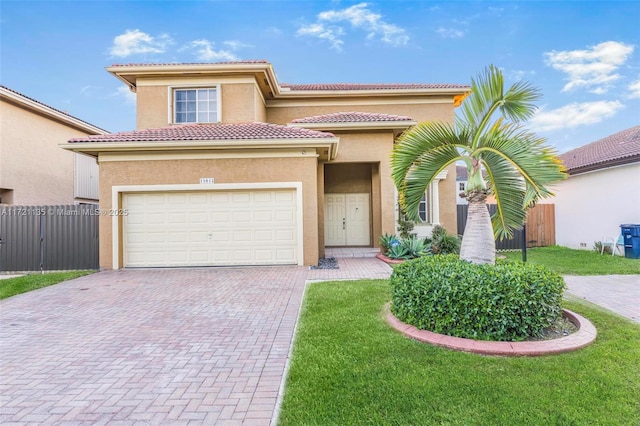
{"points": [[158, 346], [618, 293]]}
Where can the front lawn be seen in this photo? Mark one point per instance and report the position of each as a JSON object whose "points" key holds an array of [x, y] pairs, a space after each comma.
{"points": [[349, 367], [12, 286], [566, 261]]}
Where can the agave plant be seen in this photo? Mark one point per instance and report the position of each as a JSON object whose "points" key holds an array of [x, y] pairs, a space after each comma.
{"points": [[386, 241], [398, 251], [415, 247]]}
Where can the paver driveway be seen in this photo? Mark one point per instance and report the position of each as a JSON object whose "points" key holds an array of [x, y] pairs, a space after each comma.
{"points": [[174, 346], [157, 346]]}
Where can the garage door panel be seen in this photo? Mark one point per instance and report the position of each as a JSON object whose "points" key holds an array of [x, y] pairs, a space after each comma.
{"points": [[256, 227], [264, 235], [285, 235], [263, 216]]}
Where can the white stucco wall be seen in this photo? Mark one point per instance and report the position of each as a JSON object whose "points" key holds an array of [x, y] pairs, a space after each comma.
{"points": [[595, 204]]}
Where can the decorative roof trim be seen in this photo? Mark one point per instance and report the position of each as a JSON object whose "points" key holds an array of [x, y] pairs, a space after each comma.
{"points": [[356, 125]]}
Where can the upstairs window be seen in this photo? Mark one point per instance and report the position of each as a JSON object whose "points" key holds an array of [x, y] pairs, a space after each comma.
{"points": [[195, 105]]}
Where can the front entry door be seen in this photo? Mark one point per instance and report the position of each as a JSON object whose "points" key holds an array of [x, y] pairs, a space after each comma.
{"points": [[346, 220]]}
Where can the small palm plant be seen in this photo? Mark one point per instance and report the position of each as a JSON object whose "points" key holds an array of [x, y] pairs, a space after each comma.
{"points": [[502, 158]]}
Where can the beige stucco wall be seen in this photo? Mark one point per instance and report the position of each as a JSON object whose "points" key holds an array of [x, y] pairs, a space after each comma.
{"points": [[31, 162], [228, 170], [152, 107], [347, 178], [377, 146], [448, 203], [240, 102], [436, 108]]}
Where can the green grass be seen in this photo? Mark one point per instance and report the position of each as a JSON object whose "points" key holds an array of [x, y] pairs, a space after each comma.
{"points": [[12, 286], [566, 261], [350, 368]]}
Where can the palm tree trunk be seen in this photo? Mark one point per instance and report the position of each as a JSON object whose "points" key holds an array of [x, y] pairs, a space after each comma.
{"points": [[478, 243]]}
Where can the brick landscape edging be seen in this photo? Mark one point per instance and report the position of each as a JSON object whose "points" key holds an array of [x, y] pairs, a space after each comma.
{"points": [[585, 335]]}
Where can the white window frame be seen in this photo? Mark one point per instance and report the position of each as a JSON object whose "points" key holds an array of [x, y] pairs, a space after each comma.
{"points": [[432, 197], [172, 100]]}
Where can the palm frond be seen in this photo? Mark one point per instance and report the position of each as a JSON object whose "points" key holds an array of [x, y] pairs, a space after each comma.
{"points": [[538, 164], [488, 97], [519, 168], [420, 154]]}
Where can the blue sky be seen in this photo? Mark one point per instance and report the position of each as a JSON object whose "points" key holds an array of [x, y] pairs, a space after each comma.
{"points": [[584, 56]]}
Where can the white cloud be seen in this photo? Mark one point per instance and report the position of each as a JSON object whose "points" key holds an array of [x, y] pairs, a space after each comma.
{"points": [[634, 89], [594, 68], [519, 74], [125, 94], [359, 17], [332, 35], [450, 32], [574, 115], [236, 44], [134, 42], [205, 52]]}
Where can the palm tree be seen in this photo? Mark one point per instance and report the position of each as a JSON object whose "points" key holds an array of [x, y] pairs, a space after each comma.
{"points": [[503, 159]]}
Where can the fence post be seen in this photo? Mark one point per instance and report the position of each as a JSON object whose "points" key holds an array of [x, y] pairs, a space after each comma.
{"points": [[41, 244], [524, 243]]}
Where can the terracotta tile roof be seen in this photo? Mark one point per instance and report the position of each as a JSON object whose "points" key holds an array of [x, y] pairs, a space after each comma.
{"points": [[620, 148], [257, 61], [383, 86], [50, 107], [352, 117], [203, 132]]}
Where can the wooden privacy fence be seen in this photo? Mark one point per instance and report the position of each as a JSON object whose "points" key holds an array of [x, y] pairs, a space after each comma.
{"points": [[541, 227], [48, 238]]}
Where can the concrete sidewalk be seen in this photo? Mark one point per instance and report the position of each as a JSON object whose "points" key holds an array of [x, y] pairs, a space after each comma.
{"points": [[618, 293]]}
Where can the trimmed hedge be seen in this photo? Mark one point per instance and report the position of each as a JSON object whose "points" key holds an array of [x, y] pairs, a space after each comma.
{"points": [[507, 301]]}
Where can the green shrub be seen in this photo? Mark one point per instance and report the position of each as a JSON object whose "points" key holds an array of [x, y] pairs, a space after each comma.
{"points": [[443, 242], [405, 225], [507, 301]]}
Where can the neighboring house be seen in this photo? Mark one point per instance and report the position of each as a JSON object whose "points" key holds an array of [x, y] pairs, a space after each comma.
{"points": [[461, 184], [33, 168], [602, 191], [230, 167]]}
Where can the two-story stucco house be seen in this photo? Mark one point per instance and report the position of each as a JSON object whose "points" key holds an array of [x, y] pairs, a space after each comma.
{"points": [[230, 167], [33, 168]]}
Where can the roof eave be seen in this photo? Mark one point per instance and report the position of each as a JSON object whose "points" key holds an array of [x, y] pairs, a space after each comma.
{"points": [[374, 92], [129, 74], [51, 113], [95, 148], [604, 165]]}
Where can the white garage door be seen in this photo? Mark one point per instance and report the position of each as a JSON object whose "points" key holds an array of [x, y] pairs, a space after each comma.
{"points": [[210, 228]]}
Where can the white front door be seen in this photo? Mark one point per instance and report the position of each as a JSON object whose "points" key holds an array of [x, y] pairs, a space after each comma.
{"points": [[346, 220]]}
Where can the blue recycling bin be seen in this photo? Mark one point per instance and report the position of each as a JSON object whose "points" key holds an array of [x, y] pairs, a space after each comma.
{"points": [[631, 236]]}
